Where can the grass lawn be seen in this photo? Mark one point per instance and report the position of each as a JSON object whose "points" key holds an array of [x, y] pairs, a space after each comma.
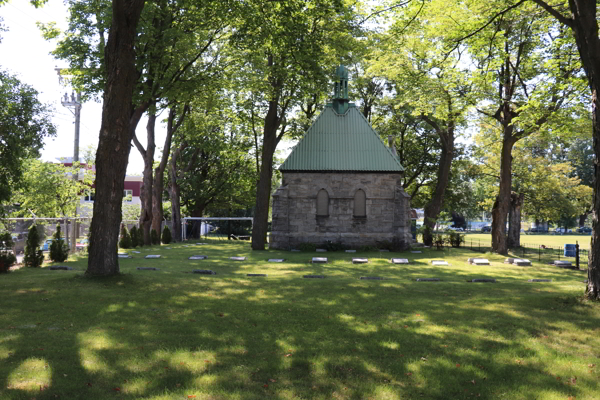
{"points": [[171, 334]]}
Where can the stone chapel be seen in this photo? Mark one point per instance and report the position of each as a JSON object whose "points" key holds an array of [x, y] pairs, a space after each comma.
{"points": [[341, 183]]}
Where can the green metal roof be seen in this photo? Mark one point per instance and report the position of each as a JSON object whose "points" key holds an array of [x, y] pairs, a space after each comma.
{"points": [[341, 142]]}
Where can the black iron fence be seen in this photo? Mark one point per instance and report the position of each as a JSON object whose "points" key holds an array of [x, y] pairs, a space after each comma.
{"points": [[541, 253]]}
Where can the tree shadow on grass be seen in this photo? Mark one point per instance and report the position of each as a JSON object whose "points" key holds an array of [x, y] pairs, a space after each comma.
{"points": [[172, 336]]}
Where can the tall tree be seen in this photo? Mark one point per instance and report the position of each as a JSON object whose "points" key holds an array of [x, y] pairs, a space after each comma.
{"points": [[414, 57], [115, 137], [24, 123], [282, 49]]}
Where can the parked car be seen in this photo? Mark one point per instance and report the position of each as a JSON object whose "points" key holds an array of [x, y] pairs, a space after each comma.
{"points": [[453, 228], [584, 229], [46, 245], [487, 228], [561, 231], [83, 243]]}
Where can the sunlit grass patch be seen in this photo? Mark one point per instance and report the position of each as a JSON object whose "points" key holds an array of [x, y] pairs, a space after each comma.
{"points": [[32, 375]]}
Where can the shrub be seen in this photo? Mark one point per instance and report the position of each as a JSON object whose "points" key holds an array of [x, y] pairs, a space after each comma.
{"points": [[154, 239], [7, 257], [133, 233], [59, 250], [33, 254], [125, 240], [166, 235], [140, 236], [455, 239], [439, 240], [367, 248], [307, 247]]}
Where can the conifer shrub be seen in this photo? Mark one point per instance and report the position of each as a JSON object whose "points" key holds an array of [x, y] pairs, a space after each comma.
{"points": [[59, 250], [134, 237], [125, 240], [33, 254], [7, 257], [166, 235], [154, 239]]}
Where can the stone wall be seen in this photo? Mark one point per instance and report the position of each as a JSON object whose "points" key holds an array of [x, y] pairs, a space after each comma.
{"points": [[295, 207]]}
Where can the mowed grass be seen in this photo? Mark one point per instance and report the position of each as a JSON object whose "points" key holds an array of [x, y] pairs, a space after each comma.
{"points": [[171, 334]]}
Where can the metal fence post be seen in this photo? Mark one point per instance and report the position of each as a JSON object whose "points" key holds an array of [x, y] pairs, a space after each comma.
{"points": [[577, 254]]}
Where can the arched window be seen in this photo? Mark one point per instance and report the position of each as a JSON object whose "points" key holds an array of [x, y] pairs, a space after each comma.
{"points": [[322, 203], [360, 203]]}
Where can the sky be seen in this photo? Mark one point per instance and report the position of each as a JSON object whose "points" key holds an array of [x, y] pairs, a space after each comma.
{"points": [[26, 54]]}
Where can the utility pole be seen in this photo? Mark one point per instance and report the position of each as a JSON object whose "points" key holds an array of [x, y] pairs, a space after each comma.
{"points": [[73, 102]]}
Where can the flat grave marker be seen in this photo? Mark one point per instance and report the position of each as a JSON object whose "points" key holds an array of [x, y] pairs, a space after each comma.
{"points": [[295, 250], [482, 280], [416, 251], [314, 276], [124, 256], [521, 261], [478, 261], [350, 251], [276, 260], [204, 272], [540, 280], [136, 252], [322, 260], [563, 264], [360, 260], [60, 268], [439, 262], [321, 250], [200, 244], [509, 260], [384, 251], [198, 258], [153, 256], [237, 258], [148, 269], [256, 275], [427, 279], [372, 278], [399, 261]]}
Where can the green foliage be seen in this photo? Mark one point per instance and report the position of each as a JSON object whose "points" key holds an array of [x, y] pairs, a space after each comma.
{"points": [[367, 249], [133, 233], [154, 238], [307, 247], [49, 190], [7, 257], [125, 238], [59, 250], [454, 239], [24, 123], [166, 235], [439, 241], [33, 254]]}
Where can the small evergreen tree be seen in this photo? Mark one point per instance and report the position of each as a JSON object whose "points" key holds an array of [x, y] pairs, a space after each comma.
{"points": [[125, 241], [7, 257], [59, 250], [166, 235], [154, 239], [33, 254], [140, 237], [134, 236]]}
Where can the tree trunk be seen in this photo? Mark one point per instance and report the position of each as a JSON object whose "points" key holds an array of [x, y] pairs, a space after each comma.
{"points": [[583, 218], [433, 208], [585, 29], [514, 220], [263, 188], [159, 172], [146, 194], [115, 137], [502, 204]]}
